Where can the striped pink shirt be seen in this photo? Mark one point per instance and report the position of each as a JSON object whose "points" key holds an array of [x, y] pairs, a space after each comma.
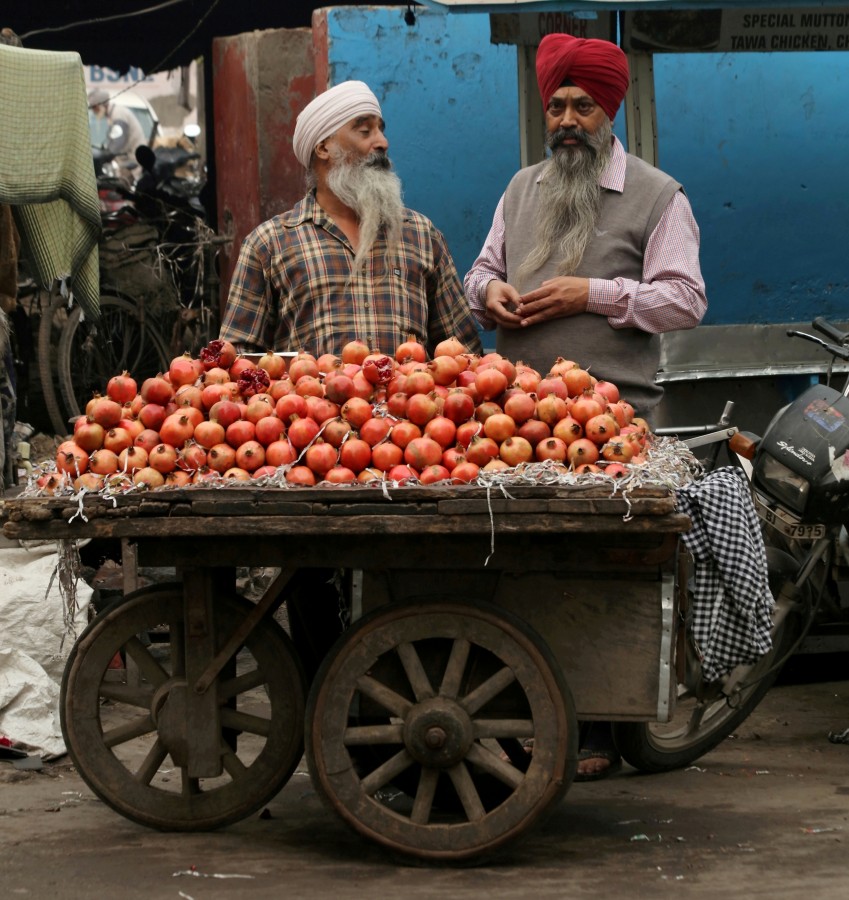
{"points": [[671, 294]]}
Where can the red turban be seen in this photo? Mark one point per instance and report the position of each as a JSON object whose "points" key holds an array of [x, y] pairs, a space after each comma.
{"points": [[598, 67]]}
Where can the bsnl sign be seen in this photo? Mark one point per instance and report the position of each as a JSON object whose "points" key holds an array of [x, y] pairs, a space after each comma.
{"points": [[99, 75]]}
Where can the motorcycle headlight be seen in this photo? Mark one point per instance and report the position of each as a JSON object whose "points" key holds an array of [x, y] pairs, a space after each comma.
{"points": [[783, 484]]}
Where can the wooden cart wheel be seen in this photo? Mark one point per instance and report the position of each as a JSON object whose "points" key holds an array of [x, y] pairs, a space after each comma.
{"points": [[126, 729], [432, 691]]}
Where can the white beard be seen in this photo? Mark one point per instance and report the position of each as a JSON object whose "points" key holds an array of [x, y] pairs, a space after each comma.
{"points": [[373, 191], [570, 202]]}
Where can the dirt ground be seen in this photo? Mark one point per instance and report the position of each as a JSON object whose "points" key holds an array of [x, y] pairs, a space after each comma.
{"points": [[764, 815]]}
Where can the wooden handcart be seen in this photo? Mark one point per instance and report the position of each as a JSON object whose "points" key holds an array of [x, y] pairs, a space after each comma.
{"points": [[482, 621]]}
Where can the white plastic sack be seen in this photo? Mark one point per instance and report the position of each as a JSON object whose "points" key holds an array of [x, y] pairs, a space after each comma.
{"points": [[34, 645]]}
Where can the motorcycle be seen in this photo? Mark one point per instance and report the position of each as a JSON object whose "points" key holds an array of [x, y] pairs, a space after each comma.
{"points": [[798, 473]]}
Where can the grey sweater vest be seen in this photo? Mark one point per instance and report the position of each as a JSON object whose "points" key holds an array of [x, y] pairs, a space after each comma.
{"points": [[626, 356]]}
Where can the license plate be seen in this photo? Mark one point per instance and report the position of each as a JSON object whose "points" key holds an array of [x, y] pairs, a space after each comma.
{"points": [[787, 524]]}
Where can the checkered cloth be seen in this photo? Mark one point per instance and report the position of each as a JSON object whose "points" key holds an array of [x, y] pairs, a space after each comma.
{"points": [[46, 168], [732, 608]]}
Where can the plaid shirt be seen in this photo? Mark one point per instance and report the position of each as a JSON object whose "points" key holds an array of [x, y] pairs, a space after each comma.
{"points": [[293, 288]]}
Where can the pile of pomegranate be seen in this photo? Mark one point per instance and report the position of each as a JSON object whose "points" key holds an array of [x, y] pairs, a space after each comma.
{"points": [[358, 417]]}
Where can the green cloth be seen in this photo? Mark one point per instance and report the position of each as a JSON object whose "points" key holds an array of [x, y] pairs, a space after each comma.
{"points": [[47, 170]]}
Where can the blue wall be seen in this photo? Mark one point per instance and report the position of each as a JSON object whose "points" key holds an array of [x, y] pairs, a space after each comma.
{"points": [[450, 104], [760, 142]]}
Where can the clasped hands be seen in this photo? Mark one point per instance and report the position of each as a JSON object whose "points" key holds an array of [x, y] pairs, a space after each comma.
{"points": [[555, 298]]}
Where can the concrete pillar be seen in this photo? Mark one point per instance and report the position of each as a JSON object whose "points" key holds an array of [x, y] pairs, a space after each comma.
{"points": [[261, 81]]}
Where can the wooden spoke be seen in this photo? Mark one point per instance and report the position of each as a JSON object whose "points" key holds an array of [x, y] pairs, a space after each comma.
{"points": [[126, 693], [492, 763], [503, 728], [385, 773], [373, 734], [148, 666], [239, 721], [425, 793], [419, 681], [243, 683], [492, 687], [386, 697], [129, 730], [233, 766], [467, 792], [150, 766], [453, 675]]}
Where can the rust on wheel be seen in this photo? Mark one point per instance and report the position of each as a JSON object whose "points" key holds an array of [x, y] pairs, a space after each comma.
{"points": [[126, 709], [414, 721]]}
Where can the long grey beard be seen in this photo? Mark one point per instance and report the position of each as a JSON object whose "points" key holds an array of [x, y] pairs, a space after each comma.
{"points": [[373, 191], [570, 203]]}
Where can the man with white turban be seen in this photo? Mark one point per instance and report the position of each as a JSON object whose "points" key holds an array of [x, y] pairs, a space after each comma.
{"points": [[592, 253], [348, 261]]}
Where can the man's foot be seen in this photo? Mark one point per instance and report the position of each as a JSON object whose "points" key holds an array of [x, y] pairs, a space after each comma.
{"points": [[595, 764]]}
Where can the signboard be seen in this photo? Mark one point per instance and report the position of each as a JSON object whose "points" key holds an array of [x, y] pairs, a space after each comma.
{"points": [[749, 30], [527, 29]]}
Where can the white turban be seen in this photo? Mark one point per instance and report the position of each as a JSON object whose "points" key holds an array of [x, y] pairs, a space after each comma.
{"points": [[325, 115]]}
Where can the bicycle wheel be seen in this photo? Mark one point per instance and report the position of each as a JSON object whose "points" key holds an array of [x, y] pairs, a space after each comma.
{"points": [[90, 353]]}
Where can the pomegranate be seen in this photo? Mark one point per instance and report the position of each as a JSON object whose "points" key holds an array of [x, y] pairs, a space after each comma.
{"points": [[88, 434], [534, 431], [516, 450], [132, 458], [191, 457], [481, 450], [444, 369], [152, 415], [103, 462], [300, 475], [238, 433], [357, 411], [291, 405], [499, 427], [451, 346], [432, 474], [177, 429], [421, 408], [412, 348], [273, 364], [442, 430], [163, 458], [280, 453], [302, 431], [577, 380], [421, 452], [599, 429], [374, 430], [339, 474], [220, 354], [403, 432], [122, 388], [147, 440], [107, 413], [156, 390], [339, 388], [250, 455], [465, 472], [117, 439], [336, 432], [209, 433], [355, 454], [582, 451], [385, 456], [148, 478], [551, 448], [490, 382], [182, 371], [221, 457]]}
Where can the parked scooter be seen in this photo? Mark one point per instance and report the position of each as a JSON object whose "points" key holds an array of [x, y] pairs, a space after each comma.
{"points": [[799, 477]]}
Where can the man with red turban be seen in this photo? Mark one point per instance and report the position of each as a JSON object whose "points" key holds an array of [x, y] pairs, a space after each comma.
{"points": [[592, 253]]}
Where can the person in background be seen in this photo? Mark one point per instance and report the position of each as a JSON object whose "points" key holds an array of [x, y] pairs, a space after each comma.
{"points": [[349, 261], [592, 253], [116, 131]]}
